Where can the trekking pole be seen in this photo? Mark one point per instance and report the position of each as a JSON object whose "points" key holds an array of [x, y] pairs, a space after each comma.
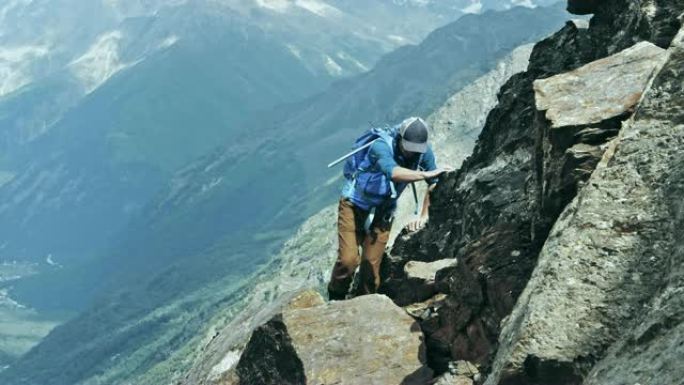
{"points": [[351, 153], [415, 196]]}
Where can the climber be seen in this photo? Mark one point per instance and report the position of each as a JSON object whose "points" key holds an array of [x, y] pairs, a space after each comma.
{"points": [[384, 163]]}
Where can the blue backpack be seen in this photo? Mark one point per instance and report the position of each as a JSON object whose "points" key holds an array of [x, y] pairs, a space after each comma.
{"points": [[364, 179], [373, 186]]}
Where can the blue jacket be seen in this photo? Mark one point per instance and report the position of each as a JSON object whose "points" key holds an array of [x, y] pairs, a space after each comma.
{"points": [[380, 162]]}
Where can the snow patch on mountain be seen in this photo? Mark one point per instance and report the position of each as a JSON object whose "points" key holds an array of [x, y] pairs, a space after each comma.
{"points": [[168, 42], [100, 62], [332, 67], [296, 52], [15, 63], [348, 58], [50, 261], [398, 39]]}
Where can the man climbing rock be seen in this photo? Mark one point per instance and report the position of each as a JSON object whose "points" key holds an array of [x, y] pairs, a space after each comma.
{"points": [[385, 162]]}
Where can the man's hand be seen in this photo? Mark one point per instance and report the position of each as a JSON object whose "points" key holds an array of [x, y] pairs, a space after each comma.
{"points": [[437, 172], [417, 224]]}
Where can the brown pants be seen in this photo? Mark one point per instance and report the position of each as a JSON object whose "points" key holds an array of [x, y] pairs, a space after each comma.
{"points": [[351, 234]]}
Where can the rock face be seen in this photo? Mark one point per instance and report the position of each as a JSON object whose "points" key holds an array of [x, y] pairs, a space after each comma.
{"points": [[366, 340], [608, 275], [457, 123], [416, 283], [600, 90], [495, 214], [582, 7]]}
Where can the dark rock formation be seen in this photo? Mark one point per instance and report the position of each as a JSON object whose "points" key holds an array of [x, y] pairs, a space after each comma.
{"points": [[416, 283], [585, 108], [607, 276], [582, 7], [270, 357], [495, 214]]}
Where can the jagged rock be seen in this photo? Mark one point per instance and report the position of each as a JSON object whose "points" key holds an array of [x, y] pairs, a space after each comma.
{"points": [[426, 309], [427, 271], [416, 283], [483, 212], [455, 125], [585, 108], [305, 299], [607, 276], [600, 90], [230, 378], [618, 24], [580, 23], [650, 350], [365, 340], [463, 368], [495, 213], [224, 372], [450, 379]]}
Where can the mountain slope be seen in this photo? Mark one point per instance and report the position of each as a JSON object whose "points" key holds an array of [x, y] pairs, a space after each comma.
{"points": [[188, 242], [307, 257], [139, 88], [553, 254]]}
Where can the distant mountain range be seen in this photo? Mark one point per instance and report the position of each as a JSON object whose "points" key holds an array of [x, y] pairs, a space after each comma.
{"points": [[101, 101]]}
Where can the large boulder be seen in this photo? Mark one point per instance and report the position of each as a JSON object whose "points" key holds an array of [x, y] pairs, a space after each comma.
{"points": [[366, 340], [580, 111], [600, 90], [606, 293]]}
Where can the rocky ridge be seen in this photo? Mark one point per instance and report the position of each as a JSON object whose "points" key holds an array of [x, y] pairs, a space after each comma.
{"points": [[495, 214], [607, 276], [563, 222]]}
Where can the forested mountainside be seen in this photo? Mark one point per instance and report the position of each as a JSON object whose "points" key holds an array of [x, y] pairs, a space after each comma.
{"points": [[552, 256]]}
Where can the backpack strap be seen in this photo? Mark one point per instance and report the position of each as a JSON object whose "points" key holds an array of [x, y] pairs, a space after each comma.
{"points": [[388, 135]]}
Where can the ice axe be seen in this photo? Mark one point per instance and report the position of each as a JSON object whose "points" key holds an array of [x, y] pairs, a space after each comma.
{"points": [[340, 159]]}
